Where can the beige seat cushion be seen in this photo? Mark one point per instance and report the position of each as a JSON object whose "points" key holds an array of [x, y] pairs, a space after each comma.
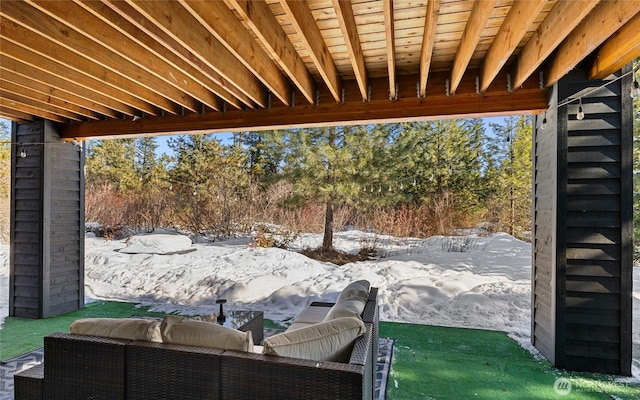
{"points": [[358, 288], [182, 330], [325, 341], [118, 328]]}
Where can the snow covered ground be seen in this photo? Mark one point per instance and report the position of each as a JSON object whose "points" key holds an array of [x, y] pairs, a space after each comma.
{"points": [[487, 286]]}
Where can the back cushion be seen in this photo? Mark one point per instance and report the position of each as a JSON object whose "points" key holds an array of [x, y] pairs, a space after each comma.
{"points": [[348, 307], [182, 330], [357, 289], [118, 328], [325, 341]]}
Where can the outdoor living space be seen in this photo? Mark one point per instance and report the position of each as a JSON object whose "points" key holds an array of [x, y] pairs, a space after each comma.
{"points": [[450, 316]]}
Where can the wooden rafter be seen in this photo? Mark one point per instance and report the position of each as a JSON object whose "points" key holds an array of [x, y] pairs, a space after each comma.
{"points": [[562, 19], [430, 23], [224, 25], [620, 49], [183, 28], [15, 115], [520, 17], [27, 96], [91, 77], [25, 106], [480, 14], [307, 28], [347, 23], [600, 24], [266, 28], [389, 34]]}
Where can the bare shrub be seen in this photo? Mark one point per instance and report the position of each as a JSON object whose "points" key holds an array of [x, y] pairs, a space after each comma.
{"points": [[460, 244]]}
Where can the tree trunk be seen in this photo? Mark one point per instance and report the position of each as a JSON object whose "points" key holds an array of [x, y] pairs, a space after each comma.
{"points": [[327, 240]]}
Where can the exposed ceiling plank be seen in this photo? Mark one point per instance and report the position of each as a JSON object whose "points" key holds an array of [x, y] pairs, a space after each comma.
{"points": [[100, 103], [26, 96], [23, 106], [347, 23], [26, 92], [218, 84], [132, 63], [180, 25], [515, 26], [390, 41], [496, 101], [267, 29], [223, 24], [620, 49], [15, 115], [476, 23], [430, 23], [558, 24], [133, 33], [307, 28], [602, 22], [101, 81]]}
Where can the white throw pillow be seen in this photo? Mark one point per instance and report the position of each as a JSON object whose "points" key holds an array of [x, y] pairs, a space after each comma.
{"points": [[118, 328], [325, 341], [182, 330], [358, 288]]}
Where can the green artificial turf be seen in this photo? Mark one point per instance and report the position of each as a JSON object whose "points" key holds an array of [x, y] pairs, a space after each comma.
{"points": [[432, 362]]}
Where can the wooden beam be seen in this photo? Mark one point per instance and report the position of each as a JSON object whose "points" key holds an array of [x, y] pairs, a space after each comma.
{"points": [[430, 23], [183, 28], [619, 50], [349, 29], [15, 115], [389, 33], [22, 106], [27, 97], [521, 15], [18, 77], [133, 33], [132, 59], [558, 24], [96, 101], [225, 26], [496, 101], [265, 26], [93, 78], [305, 25], [600, 24], [67, 109], [229, 93]]}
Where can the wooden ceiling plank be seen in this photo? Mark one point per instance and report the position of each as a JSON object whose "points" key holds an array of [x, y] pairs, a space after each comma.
{"points": [[101, 82], [38, 44], [29, 98], [186, 30], [521, 15], [307, 28], [620, 49], [601, 23], [10, 86], [225, 26], [475, 25], [227, 91], [264, 25], [23, 105], [74, 32], [390, 44], [349, 29], [430, 24], [558, 24], [98, 102], [15, 115]]}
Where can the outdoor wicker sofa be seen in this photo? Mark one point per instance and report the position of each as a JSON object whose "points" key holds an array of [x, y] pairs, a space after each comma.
{"points": [[94, 367]]}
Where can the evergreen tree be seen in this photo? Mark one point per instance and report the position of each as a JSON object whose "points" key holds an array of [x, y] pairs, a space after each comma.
{"points": [[5, 178], [113, 161]]}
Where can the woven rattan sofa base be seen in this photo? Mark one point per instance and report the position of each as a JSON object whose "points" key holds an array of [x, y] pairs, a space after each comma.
{"points": [[84, 367], [170, 371], [28, 384]]}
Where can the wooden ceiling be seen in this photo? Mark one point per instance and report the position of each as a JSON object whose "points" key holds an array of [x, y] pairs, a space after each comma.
{"points": [[158, 67]]}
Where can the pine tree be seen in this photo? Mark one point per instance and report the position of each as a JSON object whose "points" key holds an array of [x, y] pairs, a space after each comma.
{"points": [[112, 161]]}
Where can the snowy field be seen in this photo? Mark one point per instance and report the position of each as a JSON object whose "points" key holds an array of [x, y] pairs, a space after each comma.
{"points": [[487, 286]]}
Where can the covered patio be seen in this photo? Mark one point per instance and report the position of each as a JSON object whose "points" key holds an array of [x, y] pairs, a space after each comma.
{"points": [[72, 70]]}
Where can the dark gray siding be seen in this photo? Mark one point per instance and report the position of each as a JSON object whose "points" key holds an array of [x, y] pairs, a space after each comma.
{"points": [[47, 260], [591, 276]]}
